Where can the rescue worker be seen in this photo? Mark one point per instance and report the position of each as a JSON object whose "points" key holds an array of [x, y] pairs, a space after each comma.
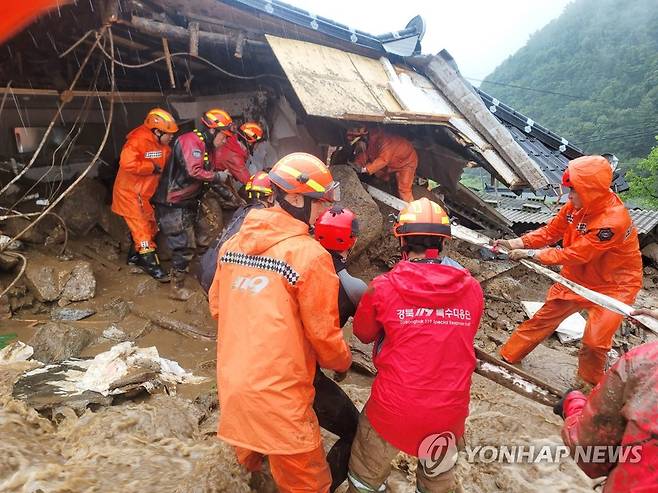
{"points": [[232, 156], [600, 250], [622, 411], [259, 196], [143, 158], [179, 192], [422, 317], [275, 325], [337, 229], [384, 154]]}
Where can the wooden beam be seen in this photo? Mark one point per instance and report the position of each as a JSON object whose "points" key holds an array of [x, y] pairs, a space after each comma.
{"points": [[162, 29], [194, 38], [125, 96], [170, 67]]}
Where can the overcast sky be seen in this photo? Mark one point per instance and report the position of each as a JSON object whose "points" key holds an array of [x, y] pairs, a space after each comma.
{"points": [[479, 34]]}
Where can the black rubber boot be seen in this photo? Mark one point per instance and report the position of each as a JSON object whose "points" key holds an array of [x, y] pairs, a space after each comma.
{"points": [[133, 256], [150, 264]]}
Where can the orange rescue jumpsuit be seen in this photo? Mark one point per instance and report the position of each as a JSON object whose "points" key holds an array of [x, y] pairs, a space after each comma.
{"points": [[136, 183], [388, 154], [271, 296], [600, 250]]}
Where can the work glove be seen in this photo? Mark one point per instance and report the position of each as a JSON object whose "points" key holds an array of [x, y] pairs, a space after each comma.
{"points": [[521, 254], [220, 177], [558, 408], [157, 170]]}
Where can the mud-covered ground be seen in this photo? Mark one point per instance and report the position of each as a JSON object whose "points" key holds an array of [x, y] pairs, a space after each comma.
{"points": [[166, 442]]}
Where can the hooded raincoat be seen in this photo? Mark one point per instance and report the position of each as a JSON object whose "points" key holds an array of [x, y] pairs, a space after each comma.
{"points": [[621, 411], [423, 318], [274, 296], [600, 250], [390, 154], [143, 158]]}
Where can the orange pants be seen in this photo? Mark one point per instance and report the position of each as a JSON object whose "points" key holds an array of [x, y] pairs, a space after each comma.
{"points": [[143, 231], [405, 180], [597, 339], [297, 473]]}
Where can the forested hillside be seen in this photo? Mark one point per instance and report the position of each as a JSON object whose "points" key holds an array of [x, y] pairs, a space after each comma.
{"points": [[591, 75]]}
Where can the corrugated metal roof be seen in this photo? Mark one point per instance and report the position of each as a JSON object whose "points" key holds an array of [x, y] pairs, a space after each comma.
{"points": [[645, 219], [525, 217]]}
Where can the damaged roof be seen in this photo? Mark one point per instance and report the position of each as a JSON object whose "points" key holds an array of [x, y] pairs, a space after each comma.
{"points": [[549, 150]]}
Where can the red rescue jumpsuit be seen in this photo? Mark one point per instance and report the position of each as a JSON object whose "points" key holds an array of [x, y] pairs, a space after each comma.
{"points": [[600, 250], [388, 154], [621, 410], [143, 158]]}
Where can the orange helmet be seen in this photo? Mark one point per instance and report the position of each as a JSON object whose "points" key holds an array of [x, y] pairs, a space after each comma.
{"points": [[162, 120], [251, 131], [356, 133], [259, 184], [217, 118], [422, 218], [305, 174]]}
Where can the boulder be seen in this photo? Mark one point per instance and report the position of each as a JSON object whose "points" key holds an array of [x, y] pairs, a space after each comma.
{"points": [[55, 342], [64, 281], [504, 287], [651, 252], [82, 209], [14, 225], [355, 198]]}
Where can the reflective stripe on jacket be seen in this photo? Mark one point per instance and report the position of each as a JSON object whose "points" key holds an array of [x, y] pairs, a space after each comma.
{"points": [[274, 296]]}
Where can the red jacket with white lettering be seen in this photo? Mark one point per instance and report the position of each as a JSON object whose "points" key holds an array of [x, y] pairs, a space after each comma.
{"points": [[423, 318], [621, 410]]}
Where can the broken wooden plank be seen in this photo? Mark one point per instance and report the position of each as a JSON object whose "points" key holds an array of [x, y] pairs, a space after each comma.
{"points": [[173, 325]]}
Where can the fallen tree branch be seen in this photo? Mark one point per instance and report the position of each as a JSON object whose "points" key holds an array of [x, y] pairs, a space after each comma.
{"points": [[173, 325]]}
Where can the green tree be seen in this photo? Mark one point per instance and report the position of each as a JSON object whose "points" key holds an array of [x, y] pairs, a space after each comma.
{"points": [[643, 179]]}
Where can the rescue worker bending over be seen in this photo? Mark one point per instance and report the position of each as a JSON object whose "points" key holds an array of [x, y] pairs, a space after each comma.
{"points": [[600, 250], [259, 196], [143, 158], [233, 155], [422, 317], [275, 324], [336, 230], [384, 154], [178, 195], [620, 412]]}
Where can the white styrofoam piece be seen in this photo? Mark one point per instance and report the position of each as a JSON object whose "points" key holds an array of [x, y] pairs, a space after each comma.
{"points": [[570, 329]]}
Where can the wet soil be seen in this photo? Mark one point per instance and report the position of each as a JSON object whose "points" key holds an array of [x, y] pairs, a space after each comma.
{"points": [[167, 442]]}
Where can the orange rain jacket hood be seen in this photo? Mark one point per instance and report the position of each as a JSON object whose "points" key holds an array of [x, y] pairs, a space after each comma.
{"points": [[275, 297], [138, 178], [600, 247]]}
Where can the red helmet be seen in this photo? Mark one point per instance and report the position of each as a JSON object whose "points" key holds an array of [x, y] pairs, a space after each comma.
{"points": [[259, 185], [306, 175], [251, 131], [422, 218], [337, 229], [219, 119], [566, 180]]}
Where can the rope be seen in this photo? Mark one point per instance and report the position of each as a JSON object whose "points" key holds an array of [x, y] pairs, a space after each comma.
{"points": [[74, 45]]}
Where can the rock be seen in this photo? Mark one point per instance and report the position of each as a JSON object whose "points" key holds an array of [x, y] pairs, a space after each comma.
{"points": [[12, 245], [14, 225], [70, 313], [83, 207], [43, 281], [505, 287], [651, 252], [114, 333], [503, 323], [55, 342], [115, 227], [147, 286], [492, 313], [355, 198], [8, 262], [65, 281]]}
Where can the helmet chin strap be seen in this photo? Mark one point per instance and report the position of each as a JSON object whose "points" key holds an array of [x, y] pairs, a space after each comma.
{"points": [[302, 213]]}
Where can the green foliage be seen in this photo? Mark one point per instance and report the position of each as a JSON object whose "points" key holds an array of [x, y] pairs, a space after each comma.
{"points": [[6, 339], [643, 179], [604, 53]]}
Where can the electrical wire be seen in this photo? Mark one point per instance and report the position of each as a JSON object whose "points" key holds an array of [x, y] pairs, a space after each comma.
{"points": [[555, 93], [196, 57]]}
